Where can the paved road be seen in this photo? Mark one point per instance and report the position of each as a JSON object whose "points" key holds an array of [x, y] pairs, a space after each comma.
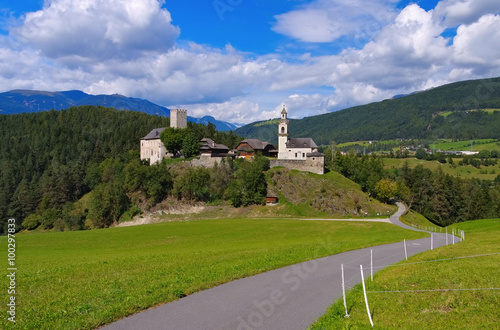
{"points": [[288, 298]]}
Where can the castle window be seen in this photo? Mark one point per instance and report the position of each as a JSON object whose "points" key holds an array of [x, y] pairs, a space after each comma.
{"points": [[295, 155], [303, 155], [282, 130]]}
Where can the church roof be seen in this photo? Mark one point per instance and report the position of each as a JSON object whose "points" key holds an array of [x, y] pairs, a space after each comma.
{"points": [[283, 111], [154, 134], [301, 143]]}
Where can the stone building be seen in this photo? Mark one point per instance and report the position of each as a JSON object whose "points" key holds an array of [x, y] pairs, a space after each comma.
{"points": [[178, 118], [297, 153], [151, 146]]}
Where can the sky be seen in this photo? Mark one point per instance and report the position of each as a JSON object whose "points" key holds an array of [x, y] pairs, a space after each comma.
{"points": [[241, 60]]}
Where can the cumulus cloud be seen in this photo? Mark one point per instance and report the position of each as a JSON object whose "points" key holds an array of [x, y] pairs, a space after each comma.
{"points": [[83, 45], [455, 12], [99, 29], [235, 110], [328, 20], [478, 44]]}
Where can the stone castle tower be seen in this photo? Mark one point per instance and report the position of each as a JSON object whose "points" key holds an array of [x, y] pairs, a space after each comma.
{"points": [[282, 133], [178, 118]]}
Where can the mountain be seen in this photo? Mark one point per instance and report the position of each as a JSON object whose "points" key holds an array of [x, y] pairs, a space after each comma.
{"points": [[19, 101], [448, 111]]}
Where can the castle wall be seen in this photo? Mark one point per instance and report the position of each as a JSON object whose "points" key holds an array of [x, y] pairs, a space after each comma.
{"points": [[311, 164], [178, 118], [154, 150], [206, 160]]}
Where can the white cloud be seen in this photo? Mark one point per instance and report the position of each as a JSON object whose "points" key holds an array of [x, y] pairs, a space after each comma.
{"points": [[478, 44], [234, 111], [404, 54], [76, 30], [455, 12], [328, 20]]}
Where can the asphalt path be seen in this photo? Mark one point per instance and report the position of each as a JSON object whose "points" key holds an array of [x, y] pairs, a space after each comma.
{"points": [[288, 298]]}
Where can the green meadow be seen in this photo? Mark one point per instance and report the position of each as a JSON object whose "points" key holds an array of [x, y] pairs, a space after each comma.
{"points": [[85, 279], [468, 295], [464, 172], [477, 145]]}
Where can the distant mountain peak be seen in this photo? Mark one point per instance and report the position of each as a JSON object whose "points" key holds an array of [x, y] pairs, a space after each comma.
{"points": [[24, 100]]}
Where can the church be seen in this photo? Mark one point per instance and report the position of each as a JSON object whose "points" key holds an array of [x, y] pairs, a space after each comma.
{"points": [[297, 153]]}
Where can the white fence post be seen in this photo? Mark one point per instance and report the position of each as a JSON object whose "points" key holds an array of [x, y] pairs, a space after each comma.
{"points": [[432, 243], [366, 299], [371, 264], [406, 254], [343, 291], [446, 236]]}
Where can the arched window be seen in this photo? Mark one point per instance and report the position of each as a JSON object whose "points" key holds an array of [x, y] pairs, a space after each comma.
{"points": [[282, 129]]}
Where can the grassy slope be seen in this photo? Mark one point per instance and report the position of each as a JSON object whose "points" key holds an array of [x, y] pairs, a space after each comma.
{"points": [[432, 310], [465, 172], [479, 144], [413, 218], [89, 278], [329, 195]]}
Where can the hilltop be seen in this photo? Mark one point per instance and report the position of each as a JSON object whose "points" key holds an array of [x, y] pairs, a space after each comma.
{"points": [[27, 101], [441, 112]]}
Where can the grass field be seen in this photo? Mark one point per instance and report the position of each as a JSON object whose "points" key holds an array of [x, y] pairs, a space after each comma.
{"points": [[457, 309], [478, 145], [464, 172], [85, 279], [447, 113], [415, 219]]}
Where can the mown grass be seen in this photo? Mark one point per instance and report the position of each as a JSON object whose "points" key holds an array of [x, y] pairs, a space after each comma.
{"points": [[436, 309], [81, 280], [417, 220], [479, 144], [464, 172]]}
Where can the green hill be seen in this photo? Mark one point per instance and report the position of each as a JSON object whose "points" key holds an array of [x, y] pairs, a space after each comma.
{"points": [[419, 115]]}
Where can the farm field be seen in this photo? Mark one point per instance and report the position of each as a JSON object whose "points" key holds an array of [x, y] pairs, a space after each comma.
{"points": [[464, 172], [478, 145], [85, 279], [447, 113], [452, 307]]}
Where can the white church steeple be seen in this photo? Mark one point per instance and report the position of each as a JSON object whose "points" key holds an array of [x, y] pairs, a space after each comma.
{"points": [[282, 134]]}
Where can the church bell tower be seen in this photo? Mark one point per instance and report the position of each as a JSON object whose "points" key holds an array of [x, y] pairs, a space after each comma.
{"points": [[282, 134]]}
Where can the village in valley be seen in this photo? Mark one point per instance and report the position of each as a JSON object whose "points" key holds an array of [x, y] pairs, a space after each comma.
{"points": [[292, 153]]}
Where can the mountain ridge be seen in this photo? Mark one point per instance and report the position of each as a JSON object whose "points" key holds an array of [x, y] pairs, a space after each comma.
{"points": [[416, 116], [25, 101]]}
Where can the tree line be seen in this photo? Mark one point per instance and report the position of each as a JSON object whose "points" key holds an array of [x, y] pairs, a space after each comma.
{"points": [[50, 160], [442, 198]]}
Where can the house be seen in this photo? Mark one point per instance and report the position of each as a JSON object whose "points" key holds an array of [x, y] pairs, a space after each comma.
{"points": [[151, 146], [249, 147], [209, 147], [297, 153], [271, 200]]}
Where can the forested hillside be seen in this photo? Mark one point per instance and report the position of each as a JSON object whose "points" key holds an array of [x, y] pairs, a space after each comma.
{"points": [[419, 115], [50, 159]]}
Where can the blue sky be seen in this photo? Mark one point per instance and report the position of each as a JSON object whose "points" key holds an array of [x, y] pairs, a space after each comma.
{"points": [[240, 60]]}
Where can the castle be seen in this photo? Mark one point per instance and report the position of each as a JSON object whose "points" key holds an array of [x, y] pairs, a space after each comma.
{"points": [[151, 146], [293, 153], [297, 153]]}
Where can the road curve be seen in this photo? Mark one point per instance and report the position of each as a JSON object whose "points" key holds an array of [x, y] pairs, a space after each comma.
{"points": [[288, 298]]}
